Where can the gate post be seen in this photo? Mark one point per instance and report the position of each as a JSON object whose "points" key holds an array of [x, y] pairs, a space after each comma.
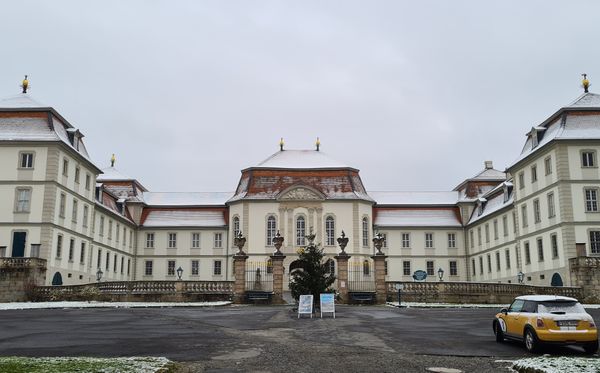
{"points": [[239, 269], [379, 260], [277, 261], [342, 279]]}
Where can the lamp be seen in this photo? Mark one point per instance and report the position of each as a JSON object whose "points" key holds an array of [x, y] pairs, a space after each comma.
{"points": [[179, 273], [520, 277], [441, 274], [99, 274]]}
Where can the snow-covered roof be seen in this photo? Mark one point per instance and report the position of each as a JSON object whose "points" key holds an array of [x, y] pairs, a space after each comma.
{"points": [[300, 159], [111, 173], [184, 218], [186, 199], [417, 218], [492, 204], [21, 101], [26, 129], [586, 100], [414, 198]]}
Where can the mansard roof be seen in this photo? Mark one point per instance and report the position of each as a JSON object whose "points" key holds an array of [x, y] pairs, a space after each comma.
{"points": [[417, 217], [183, 217]]}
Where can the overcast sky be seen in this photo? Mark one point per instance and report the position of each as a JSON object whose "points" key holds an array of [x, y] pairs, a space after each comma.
{"points": [[415, 94]]}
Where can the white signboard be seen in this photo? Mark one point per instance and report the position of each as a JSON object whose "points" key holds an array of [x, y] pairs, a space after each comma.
{"points": [[305, 305], [327, 304]]}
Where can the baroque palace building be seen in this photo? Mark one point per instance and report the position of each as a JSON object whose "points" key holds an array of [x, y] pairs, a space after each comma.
{"points": [[57, 204]]}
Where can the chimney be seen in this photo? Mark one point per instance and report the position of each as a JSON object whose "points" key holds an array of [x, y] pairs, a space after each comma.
{"points": [[488, 165]]}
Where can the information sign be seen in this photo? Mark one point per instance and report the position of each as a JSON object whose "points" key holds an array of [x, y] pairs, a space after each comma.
{"points": [[327, 304], [420, 275], [305, 305]]}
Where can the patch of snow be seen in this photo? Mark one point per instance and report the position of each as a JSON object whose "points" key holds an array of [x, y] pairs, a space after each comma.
{"points": [[417, 218], [300, 159], [106, 365], [184, 218], [61, 305], [446, 305], [559, 364]]}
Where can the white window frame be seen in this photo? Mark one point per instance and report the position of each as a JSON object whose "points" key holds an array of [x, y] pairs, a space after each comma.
{"points": [[195, 240], [588, 158], [271, 229], [405, 240], [453, 265], [150, 240], [300, 230], [171, 264], [171, 240], [548, 165], [195, 268], [217, 264], [330, 231], [365, 231], [148, 267], [551, 206], [405, 267], [451, 240], [429, 244], [218, 240], [591, 199], [23, 199], [26, 160], [537, 213]]}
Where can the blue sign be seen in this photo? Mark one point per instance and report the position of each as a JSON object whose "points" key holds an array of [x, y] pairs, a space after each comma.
{"points": [[305, 305], [420, 275], [327, 304]]}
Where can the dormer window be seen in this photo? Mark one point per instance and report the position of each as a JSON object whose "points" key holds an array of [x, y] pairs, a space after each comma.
{"points": [[121, 205], [506, 190], [99, 193], [536, 135], [480, 205]]}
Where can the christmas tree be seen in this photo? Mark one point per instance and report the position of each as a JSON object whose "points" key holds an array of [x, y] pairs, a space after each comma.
{"points": [[313, 276]]}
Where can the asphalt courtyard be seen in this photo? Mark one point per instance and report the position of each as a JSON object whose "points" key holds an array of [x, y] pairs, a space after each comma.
{"points": [[270, 338]]}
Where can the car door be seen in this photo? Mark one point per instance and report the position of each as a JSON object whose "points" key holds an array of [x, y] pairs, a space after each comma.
{"points": [[513, 318]]}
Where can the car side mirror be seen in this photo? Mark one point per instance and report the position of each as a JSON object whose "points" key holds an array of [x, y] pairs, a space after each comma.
{"points": [[504, 311]]}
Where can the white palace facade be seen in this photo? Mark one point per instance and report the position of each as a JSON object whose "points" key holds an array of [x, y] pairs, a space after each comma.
{"points": [[57, 204]]}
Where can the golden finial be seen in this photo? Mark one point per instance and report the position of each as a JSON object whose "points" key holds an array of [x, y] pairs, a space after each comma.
{"points": [[112, 161], [25, 84], [585, 83], [281, 144], [318, 144]]}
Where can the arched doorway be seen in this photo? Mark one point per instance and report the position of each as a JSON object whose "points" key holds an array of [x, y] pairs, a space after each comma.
{"points": [[556, 280], [57, 279]]}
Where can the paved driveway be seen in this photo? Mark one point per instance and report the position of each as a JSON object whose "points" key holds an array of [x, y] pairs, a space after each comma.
{"points": [[268, 338]]}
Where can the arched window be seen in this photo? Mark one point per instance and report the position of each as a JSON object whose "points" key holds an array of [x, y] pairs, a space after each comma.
{"points": [[330, 231], [271, 229], [236, 226], [366, 268], [300, 231], [365, 231], [331, 267]]}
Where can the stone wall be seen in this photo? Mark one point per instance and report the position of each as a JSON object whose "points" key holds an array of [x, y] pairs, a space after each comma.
{"points": [[18, 276], [585, 273], [472, 292]]}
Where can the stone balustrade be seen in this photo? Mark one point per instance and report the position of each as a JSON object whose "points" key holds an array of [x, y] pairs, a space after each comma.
{"points": [[14, 263], [472, 292]]}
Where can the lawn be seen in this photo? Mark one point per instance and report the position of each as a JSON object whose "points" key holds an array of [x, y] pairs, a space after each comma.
{"points": [[85, 364], [559, 364]]}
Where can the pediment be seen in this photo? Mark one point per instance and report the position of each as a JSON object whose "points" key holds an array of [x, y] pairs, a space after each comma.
{"points": [[300, 193]]}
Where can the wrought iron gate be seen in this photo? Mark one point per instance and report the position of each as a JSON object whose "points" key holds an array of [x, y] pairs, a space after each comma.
{"points": [[259, 276], [361, 276]]}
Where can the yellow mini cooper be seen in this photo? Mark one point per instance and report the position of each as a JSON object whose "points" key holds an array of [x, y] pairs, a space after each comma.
{"points": [[547, 319]]}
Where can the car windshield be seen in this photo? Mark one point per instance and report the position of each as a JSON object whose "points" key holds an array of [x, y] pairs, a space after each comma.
{"points": [[560, 307]]}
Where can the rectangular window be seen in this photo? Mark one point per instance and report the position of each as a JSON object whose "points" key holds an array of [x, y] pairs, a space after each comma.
{"points": [[551, 210], [148, 268], [495, 229], [195, 240], [524, 215], [74, 214], [548, 165], [540, 247], [554, 243], [87, 181], [479, 236], [71, 249], [489, 262], [481, 265], [170, 268], [62, 205], [405, 240], [533, 174], [115, 264], [537, 216], [122, 264], [521, 180], [591, 200], [65, 167], [150, 240], [507, 259], [172, 241], [406, 268], [595, 242], [471, 235], [453, 268], [527, 253], [217, 267], [85, 215], [487, 232], [588, 159], [110, 225], [128, 266], [26, 160], [107, 261], [451, 240], [77, 173], [430, 268], [124, 236], [514, 216], [99, 259], [429, 240], [218, 240], [497, 260], [195, 268], [59, 243], [505, 225], [82, 253], [23, 202], [473, 267], [118, 231], [130, 239], [101, 231]]}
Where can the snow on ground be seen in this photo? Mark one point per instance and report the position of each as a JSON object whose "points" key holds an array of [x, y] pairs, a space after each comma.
{"points": [[560, 364], [84, 364], [47, 305], [465, 305]]}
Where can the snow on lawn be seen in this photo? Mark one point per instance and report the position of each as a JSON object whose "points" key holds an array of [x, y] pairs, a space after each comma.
{"points": [[46, 305], [446, 305], [562, 364], [84, 364]]}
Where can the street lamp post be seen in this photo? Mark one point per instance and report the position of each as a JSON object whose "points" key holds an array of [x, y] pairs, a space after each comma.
{"points": [[179, 273], [520, 277], [441, 274], [99, 275]]}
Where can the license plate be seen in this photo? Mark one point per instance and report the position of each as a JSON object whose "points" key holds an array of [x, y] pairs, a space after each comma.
{"points": [[568, 328], [567, 323]]}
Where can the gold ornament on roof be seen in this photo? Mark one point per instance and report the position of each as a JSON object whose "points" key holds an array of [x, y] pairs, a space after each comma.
{"points": [[281, 144], [585, 83], [112, 161], [318, 144], [25, 84]]}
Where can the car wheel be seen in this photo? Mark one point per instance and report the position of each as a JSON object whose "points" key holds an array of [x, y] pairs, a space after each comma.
{"points": [[532, 344], [590, 348], [498, 332]]}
